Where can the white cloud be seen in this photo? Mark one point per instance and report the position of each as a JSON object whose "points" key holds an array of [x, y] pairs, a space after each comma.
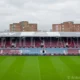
{"points": [[43, 12]]}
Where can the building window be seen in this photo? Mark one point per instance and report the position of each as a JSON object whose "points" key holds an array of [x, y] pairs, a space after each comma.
{"points": [[56, 27], [62, 28], [22, 27], [62, 25]]}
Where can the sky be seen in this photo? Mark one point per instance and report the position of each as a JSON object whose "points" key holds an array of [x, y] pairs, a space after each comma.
{"points": [[43, 12]]}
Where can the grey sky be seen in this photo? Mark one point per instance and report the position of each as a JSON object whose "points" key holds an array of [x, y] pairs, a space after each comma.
{"points": [[43, 12]]}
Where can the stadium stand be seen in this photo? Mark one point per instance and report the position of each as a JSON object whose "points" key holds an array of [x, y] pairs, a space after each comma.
{"points": [[18, 43]]}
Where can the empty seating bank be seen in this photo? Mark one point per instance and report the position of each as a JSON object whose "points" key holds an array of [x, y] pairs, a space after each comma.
{"points": [[40, 43]]}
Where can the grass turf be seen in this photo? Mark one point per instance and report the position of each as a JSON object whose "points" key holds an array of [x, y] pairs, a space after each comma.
{"points": [[39, 68]]}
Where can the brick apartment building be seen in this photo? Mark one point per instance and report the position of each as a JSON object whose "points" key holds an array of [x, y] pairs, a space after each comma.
{"points": [[23, 27], [66, 27]]}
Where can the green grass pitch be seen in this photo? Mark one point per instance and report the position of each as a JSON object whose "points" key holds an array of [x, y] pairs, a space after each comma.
{"points": [[39, 68]]}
